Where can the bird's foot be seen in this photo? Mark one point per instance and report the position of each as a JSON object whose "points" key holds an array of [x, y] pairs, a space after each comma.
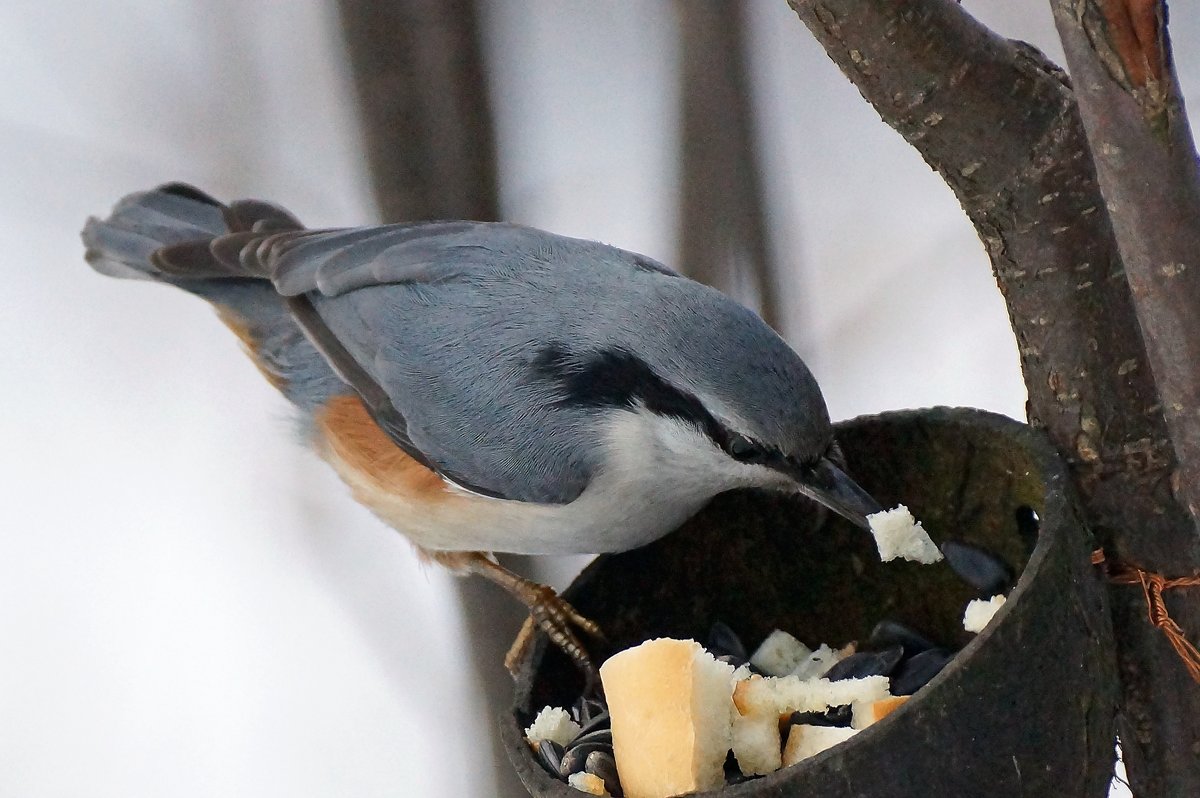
{"points": [[550, 613]]}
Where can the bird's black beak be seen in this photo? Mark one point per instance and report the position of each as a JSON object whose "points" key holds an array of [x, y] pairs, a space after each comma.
{"points": [[829, 485]]}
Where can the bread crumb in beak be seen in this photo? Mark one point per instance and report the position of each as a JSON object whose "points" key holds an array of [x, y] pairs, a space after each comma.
{"points": [[898, 534]]}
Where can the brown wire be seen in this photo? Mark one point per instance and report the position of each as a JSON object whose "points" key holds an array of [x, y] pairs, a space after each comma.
{"points": [[1153, 585]]}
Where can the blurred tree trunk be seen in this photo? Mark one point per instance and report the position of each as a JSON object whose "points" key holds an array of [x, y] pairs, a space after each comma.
{"points": [[423, 100], [1087, 264], [723, 235]]}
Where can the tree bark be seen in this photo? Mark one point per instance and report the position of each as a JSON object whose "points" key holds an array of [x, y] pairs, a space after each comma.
{"points": [[723, 236], [1119, 53], [1000, 124]]}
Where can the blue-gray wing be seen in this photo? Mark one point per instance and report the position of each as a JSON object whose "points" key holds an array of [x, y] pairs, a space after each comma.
{"points": [[334, 262], [448, 320]]}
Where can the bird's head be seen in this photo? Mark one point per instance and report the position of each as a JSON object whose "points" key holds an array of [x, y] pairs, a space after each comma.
{"points": [[707, 390], [819, 475]]}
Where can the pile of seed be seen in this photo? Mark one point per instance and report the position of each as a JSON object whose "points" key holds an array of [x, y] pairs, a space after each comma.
{"points": [[908, 658], [590, 751]]}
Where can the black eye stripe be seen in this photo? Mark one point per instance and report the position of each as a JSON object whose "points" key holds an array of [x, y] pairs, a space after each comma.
{"points": [[618, 378]]}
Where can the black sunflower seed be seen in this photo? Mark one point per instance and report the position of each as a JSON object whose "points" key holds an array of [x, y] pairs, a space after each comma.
{"points": [[575, 758], [838, 716], [723, 641], [978, 567], [587, 708], [602, 764], [866, 663], [914, 673], [812, 719], [594, 736], [890, 633], [598, 721], [550, 754]]}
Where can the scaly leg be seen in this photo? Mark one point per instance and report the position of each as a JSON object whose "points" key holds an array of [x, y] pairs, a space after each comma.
{"points": [[547, 610]]}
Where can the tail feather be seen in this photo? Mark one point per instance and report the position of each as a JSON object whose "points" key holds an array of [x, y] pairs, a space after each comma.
{"points": [[249, 226], [209, 259], [176, 232], [123, 244], [178, 235]]}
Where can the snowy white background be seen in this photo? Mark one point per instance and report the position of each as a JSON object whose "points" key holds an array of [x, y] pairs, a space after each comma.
{"points": [[190, 605]]}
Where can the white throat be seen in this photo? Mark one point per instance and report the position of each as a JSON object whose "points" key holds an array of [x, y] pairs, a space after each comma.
{"points": [[658, 471]]}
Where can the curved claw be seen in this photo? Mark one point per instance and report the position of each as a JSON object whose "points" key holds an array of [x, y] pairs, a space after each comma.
{"points": [[554, 616], [547, 611]]}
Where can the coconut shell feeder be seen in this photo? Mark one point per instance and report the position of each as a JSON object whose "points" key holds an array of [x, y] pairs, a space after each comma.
{"points": [[1025, 708]]}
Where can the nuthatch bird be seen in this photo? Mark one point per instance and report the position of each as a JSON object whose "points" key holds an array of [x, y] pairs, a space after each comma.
{"points": [[487, 387]]}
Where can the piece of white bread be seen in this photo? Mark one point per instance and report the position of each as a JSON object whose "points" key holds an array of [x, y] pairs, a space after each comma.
{"points": [[864, 713], [588, 783], [669, 702], [552, 723], [816, 663], [898, 534], [979, 612], [804, 741], [755, 738], [755, 741], [779, 654], [760, 703], [758, 695]]}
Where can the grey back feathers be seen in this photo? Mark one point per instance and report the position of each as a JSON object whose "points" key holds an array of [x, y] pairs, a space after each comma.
{"points": [[335, 262], [506, 348]]}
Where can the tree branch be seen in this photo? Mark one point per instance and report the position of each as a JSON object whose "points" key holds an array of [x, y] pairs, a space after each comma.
{"points": [[999, 123], [1128, 93]]}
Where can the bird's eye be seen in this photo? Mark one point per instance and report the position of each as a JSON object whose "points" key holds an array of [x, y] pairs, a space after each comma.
{"points": [[742, 448]]}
